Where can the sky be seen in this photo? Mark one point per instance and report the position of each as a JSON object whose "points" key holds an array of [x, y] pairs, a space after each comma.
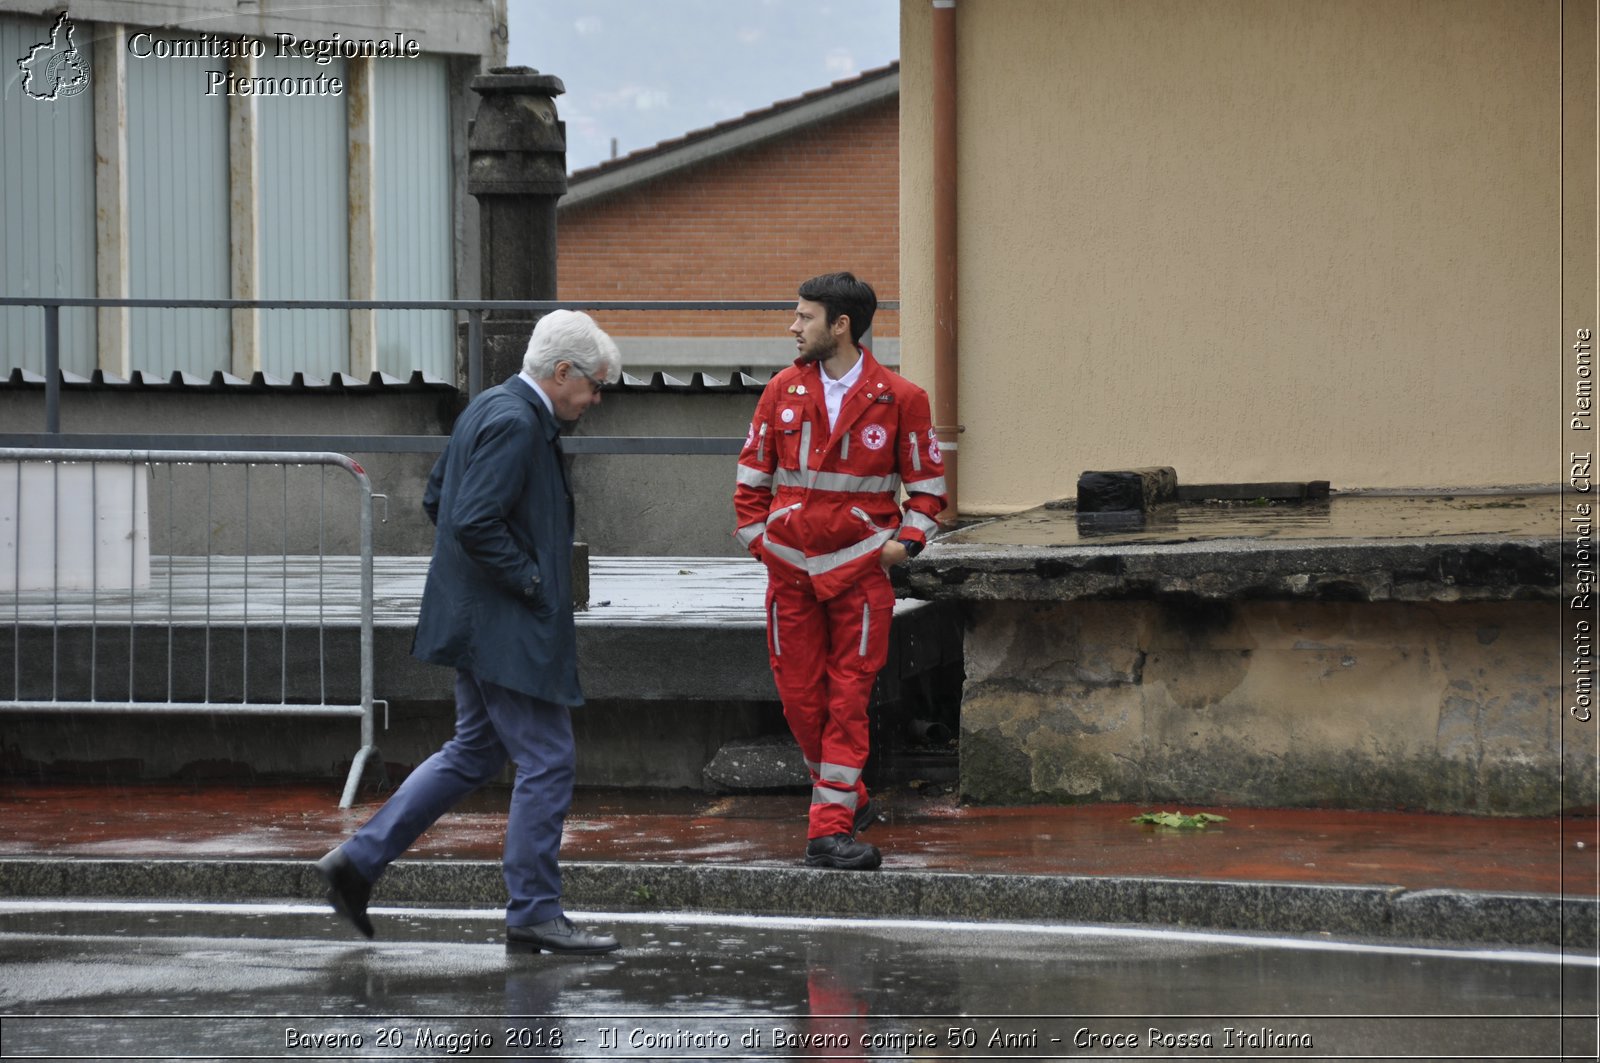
{"points": [[644, 71]]}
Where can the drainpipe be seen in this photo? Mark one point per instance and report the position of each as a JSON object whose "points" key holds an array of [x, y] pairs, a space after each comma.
{"points": [[946, 418]]}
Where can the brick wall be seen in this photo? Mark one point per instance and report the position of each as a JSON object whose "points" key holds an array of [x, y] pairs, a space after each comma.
{"points": [[750, 225]]}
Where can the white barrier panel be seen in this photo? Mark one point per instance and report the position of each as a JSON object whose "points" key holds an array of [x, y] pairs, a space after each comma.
{"points": [[74, 526]]}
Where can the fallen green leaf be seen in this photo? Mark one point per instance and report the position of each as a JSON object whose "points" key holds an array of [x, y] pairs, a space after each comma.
{"points": [[1178, 820]]}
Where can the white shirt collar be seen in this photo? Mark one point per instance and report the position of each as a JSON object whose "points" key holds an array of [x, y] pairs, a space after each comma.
{"points": [[539, 391], [846, 382], [834, 391]]}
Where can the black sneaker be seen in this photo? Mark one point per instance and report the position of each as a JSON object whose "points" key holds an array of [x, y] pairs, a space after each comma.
{"points": [[842, 852]]}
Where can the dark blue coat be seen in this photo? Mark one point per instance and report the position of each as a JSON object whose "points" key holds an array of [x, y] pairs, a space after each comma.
{"points": [[498, 600]]}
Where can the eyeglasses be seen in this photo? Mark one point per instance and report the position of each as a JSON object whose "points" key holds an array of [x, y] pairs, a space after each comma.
{"points": [[593, 383]]}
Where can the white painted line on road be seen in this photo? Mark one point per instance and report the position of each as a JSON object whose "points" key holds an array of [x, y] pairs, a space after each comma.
{"points": [[1138, 933]]}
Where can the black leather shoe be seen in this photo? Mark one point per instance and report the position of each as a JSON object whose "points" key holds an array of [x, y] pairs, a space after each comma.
{"points": [[866, 816], [843, 852], [348, 892], [557, 935]]}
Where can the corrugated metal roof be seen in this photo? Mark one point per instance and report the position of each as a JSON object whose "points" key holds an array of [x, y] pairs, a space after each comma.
{"points": [[418, 380], [696, 382], [218, 380]]}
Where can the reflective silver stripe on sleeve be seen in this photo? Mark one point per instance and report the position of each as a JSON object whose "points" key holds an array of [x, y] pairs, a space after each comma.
{"points": [[822, 795], [866, 626], [933, 485], [750, 533], [839, 773], [838, 481], [916, 454], [749, 477], [921, 522]]}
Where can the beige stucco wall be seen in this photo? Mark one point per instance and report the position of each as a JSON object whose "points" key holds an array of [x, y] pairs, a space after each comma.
{"points": [[1251, 239]]}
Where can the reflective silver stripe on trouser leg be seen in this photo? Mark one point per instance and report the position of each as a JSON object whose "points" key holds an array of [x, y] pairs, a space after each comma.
{"points": [[830, 777], [824, 795], [866, 626], [777, 651], [838, 774]]}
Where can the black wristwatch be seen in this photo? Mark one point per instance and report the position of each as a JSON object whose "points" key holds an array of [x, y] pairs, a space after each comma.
{"points": [[913, 547]]}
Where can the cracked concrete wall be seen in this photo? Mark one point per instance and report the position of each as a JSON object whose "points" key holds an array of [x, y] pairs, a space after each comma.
{"points": [[1447, 707]]}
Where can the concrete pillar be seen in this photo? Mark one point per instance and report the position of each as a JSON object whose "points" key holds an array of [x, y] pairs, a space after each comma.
{"points": [[362, 235], [244, 213], [516, 169], [109, 84]]}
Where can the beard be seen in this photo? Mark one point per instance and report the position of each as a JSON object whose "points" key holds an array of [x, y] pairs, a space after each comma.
{"points": [[818, 351]]}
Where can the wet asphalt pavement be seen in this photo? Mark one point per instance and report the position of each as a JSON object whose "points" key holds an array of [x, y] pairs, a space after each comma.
{"points": [[106, 980]]}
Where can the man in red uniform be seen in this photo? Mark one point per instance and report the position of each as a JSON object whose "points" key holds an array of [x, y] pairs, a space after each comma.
{"points": [[835, 437]]}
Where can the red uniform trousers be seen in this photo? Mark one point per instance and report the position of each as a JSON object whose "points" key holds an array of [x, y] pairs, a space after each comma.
{"points": [[825, 657]]}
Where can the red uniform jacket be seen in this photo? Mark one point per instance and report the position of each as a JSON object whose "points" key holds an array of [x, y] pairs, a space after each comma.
{"points": [[818, 505]]}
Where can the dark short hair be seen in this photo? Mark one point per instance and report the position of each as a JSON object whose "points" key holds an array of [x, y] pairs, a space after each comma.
{"points": [[842, 293]]}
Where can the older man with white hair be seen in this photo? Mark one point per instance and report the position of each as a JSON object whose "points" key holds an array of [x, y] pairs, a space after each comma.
{"points": [[497, 608]]}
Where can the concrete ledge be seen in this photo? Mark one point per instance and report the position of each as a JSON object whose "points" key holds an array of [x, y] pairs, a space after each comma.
{"points": [[1456, 917], [1364, 548], [1455, 570]]}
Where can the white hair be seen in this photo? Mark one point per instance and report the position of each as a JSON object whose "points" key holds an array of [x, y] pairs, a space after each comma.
{"points": [[572, 336]]}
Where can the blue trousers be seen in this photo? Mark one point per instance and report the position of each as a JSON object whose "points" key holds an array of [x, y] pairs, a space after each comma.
{"points": [[492, 724]]}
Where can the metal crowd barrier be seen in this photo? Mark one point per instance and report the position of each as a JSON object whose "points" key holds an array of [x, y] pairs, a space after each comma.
{"points": [[201, 625]]}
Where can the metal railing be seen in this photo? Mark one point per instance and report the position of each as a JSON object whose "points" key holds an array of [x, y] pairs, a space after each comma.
{"points": [[103, 623], [474, 311], [73, 618]]}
